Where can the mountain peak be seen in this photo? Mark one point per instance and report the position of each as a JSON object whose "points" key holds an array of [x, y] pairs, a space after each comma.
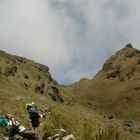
{"points": [[123, 65], [129, 45], [127, 52]]}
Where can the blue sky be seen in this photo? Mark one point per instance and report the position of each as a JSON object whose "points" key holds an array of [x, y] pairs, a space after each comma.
{"points": [[73, 37]]}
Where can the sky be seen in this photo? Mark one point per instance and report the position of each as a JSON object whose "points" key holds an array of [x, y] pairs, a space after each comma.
{"points": [[73, 38]]}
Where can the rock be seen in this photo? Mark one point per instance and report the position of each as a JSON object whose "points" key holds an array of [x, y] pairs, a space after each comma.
{"points": [[48, 110], [137, 131], [110, 117], [21, 60], [5, 138], [61, 135], [113, 74], [55, 137], [25, 85], [138, 62], [25, 76], [69, 137], [37, 77], [129, 54], [137, 88], [11, 71], [129, 45], [129, 126], [40, 88], [128, 99], [42, 85], [55, 95], [16, 137], [107, 66]]}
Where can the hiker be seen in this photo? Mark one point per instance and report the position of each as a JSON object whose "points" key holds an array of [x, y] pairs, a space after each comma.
{"points": [[34, 115], [13, 128]]}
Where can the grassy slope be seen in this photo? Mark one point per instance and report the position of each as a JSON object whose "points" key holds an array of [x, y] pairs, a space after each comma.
{"points": [[115, 89], [118, 94], [76, 119], [76, 115]]}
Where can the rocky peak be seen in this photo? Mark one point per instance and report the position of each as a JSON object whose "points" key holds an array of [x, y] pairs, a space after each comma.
{"points": [[128, 45], [124, 64]]}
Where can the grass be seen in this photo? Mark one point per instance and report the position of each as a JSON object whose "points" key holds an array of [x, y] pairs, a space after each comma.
{"points": [[82, 122], [85, 129], [86, 102]]}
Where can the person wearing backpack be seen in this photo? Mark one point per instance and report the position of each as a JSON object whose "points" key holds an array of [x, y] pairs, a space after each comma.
{"points": [[34, 115], [14, 128]]}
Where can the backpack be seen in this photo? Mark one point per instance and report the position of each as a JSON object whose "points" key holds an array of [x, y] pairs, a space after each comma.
{"points": [[33, 113], [3, 121]]}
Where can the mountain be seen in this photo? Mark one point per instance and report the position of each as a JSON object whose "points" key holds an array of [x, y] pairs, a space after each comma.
{"points": [[115, 88], [24, 81], [89, 109], [27, 75]]}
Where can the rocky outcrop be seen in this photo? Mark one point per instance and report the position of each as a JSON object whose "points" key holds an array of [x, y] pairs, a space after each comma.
{"points": [[11, 71], [123, 65], [55, 94], [40, 88], [28, 75], [129, 126]]}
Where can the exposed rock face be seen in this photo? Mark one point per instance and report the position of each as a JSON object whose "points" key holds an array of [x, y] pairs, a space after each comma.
{"points": [[40, 88], [129, 126], [55, 95], [129, 45], [27, 74], [124, 65]]}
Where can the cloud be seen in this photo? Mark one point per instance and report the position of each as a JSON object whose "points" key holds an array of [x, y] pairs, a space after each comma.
{"points": [[29, 28], [72, 37]]}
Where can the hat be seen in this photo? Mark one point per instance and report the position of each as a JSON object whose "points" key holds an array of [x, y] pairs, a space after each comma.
{"points": [[33, 103], [28, 106]]}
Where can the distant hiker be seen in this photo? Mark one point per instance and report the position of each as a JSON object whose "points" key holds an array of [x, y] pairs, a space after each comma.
{"points": [[34, 115], [13, 128]]}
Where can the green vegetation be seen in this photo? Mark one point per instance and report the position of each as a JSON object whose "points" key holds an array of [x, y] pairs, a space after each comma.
{"points": [[83, 129], [88, 105]]}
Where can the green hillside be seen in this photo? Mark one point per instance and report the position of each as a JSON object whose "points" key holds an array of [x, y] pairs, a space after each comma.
{"points": [[89, 109], [115, 88]]}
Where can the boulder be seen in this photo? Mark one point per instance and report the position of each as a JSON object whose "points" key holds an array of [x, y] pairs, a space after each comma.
{"points": [[40, 88], [25, 76], [129, 126], [110, 117], [55, 95], [69, 137]]}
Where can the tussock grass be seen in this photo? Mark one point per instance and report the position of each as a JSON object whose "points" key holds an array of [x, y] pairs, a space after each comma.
{"points": [[108, 96], [82, 129]]}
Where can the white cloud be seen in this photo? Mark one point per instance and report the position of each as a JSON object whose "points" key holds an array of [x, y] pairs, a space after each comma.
{"points": [[29, 28], [72, 37]]}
